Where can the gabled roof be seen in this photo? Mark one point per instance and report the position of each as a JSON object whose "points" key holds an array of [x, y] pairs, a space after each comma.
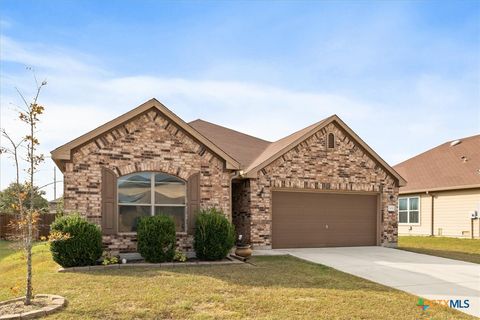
{"points": [[242, 147], [63, 153], [449, 166], [239, 150], [280, 147]]}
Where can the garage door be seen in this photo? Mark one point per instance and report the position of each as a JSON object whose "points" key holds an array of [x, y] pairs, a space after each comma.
{"points": [[308, 220]]}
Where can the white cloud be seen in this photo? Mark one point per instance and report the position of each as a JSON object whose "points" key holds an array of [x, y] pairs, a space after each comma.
{"points": [[45, 57], [81, 95]]}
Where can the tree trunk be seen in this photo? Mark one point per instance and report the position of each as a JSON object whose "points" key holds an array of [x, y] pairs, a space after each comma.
{"points": [[28, 294]]}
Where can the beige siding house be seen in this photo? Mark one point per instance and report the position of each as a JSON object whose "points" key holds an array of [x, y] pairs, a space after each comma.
{"points": [[443, 189]]}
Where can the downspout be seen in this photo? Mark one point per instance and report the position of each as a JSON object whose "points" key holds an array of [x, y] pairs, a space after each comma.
{"points": [[432, 213]]}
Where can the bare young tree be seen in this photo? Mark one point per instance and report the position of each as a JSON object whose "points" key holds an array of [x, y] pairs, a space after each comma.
{"points": [[14, 151], [29, 114]]}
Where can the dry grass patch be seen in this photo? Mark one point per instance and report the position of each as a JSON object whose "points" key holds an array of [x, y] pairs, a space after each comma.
{"points": [[274, 288]]}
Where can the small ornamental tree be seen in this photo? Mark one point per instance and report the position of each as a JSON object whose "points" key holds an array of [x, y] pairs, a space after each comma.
{"points": [[27, 214]]}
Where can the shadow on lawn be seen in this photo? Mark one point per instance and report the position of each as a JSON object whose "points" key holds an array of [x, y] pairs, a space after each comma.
{"points": [[463, 256], [284, 271], [8, 248]]}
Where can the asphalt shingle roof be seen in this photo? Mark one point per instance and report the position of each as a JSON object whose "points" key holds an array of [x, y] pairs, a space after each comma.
{"points": [[447, 166]]}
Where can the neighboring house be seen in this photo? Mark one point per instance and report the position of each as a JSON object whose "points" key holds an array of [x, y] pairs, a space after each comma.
{"points": [[443, 189], [320, 186]]}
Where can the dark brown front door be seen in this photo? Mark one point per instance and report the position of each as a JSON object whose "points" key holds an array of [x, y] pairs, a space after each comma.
{"points": [[309, 220]]}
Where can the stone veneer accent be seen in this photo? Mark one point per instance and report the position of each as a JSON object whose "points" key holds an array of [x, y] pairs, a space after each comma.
{"points": [[310, 165], [149, 142]]}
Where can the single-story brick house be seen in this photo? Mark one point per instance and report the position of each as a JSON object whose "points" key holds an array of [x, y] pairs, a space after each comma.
{"points": [[443, 190], [320, 186]]}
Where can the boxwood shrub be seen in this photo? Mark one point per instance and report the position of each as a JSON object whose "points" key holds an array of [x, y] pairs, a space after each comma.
{"points": [[84, 245], [214, 235], [156, 238]]}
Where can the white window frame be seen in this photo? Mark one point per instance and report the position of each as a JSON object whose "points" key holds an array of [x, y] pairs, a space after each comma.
{"points": [[152, 204], [408, 223]]}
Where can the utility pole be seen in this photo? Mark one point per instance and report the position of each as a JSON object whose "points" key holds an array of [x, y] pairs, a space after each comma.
{"points": [[54, 183]]}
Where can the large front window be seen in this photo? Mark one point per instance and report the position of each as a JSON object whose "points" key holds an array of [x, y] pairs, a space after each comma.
{"points": [[149, 193], [409, 210]]}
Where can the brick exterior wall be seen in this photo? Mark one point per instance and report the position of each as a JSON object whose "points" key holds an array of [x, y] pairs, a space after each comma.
{"points": [[149, 142], [311, 166]]}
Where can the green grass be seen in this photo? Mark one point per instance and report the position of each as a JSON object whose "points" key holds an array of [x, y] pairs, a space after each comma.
{"points": [[453, 248], [272, 288], [6, 248]]}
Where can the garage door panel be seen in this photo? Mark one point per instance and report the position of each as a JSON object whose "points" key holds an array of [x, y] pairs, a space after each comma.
{"points": [[302, 219]]}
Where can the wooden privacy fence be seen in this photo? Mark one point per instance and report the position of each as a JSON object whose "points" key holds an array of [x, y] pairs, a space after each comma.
{"points": [[43, 227]]}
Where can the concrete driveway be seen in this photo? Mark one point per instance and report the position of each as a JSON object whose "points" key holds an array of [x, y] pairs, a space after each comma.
{"points": [[430, 277]]}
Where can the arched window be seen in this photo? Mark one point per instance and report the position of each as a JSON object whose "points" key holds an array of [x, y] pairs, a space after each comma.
{"points": [[331, 140], [149, 193]]}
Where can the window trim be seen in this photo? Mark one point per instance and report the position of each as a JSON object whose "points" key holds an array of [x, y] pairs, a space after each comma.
{"points": [[408, 223], [152, 204]]}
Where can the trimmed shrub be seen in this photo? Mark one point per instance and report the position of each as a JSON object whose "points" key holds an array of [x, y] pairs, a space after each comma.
{"points": [[156, 238], [214, 235], [83, 246]]}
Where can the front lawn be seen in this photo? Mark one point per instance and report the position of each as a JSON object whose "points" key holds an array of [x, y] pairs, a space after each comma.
{"points": [[453, 248], [273, 288]]}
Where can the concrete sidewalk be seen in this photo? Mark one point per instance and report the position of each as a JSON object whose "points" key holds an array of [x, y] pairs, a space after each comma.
{"points": [[430, 277]]}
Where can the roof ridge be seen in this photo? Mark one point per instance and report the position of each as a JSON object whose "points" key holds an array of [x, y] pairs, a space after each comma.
{"points": [[435, 147], [465, 138], [304, 129], [230, 129]]}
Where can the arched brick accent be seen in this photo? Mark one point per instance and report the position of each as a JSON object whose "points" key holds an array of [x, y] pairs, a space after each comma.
{"points": [[155, 166]]}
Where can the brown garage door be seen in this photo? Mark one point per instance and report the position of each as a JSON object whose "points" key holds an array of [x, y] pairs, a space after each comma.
{"points": [[306, 220]]}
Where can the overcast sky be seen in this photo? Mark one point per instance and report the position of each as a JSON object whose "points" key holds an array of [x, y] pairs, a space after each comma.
{"points": [[404, 75]]}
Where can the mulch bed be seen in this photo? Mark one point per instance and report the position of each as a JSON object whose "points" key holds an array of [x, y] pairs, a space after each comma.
{"points": [[19, 306], [41, 305]]}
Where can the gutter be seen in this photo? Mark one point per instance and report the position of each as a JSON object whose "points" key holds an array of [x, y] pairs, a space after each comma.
{"points": [[464, 187]]}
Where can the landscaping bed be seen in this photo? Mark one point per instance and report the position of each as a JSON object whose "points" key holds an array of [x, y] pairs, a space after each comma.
{"points": [[41, 305], [143, 264]]}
